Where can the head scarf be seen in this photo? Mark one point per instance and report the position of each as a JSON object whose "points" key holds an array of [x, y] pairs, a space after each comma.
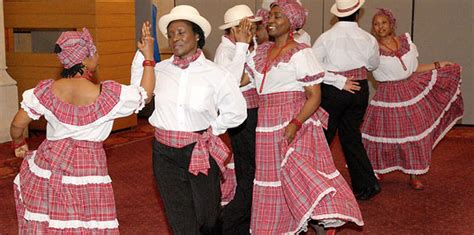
{"points": [[75, 47], [264, 14], [387, 13], [294, 11]]}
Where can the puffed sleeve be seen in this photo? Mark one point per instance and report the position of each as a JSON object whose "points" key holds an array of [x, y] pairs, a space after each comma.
{"points": [[308, 70], [132, 100], [412, 45], [32, 105]]}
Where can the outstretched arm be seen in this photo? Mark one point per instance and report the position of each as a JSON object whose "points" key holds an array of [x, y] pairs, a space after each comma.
{"points": [[145, 45]]}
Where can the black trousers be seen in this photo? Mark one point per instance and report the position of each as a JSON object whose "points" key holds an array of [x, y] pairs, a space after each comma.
{"points": [[192, 203], [346, 112], [235, 216]]}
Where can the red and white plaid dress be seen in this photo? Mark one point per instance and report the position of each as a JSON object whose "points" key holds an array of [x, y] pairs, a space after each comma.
{"points": [[297, 182], [64, 186], [410, 112]]}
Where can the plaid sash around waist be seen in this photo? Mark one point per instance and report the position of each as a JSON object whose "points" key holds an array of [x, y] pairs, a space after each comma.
{"points": [[206, 144], [357, 74]]}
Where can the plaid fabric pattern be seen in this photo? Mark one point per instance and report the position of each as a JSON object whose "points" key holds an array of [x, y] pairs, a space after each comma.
{"points": [[228, 182], [356, 74], [79, 115], [47, 205], [75, 47], [312, 78], [401, 137], [402, 50], [206, 143], [260, 57], [294, 11], [297, 181], [264, 14], [251, 97], [183, 63]]}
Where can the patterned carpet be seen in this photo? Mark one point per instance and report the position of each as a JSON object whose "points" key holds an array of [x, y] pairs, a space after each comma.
{"points": [[446, 206]]}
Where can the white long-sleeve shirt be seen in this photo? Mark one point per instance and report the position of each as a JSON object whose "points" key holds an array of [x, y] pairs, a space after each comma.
{"points": [[232, 57], [346, 47], [194, 98]]}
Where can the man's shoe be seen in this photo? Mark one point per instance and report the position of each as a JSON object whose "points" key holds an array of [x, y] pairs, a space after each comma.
{"points": [[369, 192]]}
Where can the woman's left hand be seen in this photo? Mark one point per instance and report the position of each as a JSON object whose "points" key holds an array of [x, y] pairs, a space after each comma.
{"points": [[145, 45], [290, 132], [21, 151]]}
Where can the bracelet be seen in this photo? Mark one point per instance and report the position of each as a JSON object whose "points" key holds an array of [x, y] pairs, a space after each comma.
{"points": [[437, 65], [151, 63], [15, 146], [297, 123]]}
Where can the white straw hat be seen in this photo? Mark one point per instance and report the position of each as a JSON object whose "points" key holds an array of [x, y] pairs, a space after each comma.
{"points": [[235, 14], [184, 12], [344, 8]]}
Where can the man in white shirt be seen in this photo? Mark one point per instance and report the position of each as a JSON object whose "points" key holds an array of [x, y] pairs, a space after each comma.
{"points": [[347, 50], [195, 101], [239, 26]]}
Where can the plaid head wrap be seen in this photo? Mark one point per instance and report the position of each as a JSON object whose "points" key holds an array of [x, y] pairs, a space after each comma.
{"points": [[264, 14], [294, 11], [75, 47], [387, 13]]}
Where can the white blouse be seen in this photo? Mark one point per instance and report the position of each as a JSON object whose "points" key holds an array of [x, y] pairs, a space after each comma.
{"points": [[391, 69], [194, 98], [288, 76], [130, 100]]}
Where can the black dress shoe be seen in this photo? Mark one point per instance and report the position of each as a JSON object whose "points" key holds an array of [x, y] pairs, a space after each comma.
{"points": [[368, 193]]}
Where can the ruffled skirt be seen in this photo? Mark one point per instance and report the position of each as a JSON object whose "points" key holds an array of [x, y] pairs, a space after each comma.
{"points": [[297, 182], [64, 188], [406, 119]]}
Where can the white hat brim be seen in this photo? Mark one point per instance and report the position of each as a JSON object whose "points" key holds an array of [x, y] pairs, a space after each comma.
{"points": [[199, 20], [337, 13], [237, 22]]}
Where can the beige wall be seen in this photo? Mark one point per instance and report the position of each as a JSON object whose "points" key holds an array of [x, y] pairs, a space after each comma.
{"points": [[448, 36], [443, 29]]}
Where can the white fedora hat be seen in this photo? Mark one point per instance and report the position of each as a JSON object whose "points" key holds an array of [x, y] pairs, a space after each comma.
{"points": [[236, 13], [344, 8], [184, 12]]}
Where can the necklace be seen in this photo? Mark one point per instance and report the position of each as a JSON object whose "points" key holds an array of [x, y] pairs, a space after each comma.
{"points": [[269, 62], [396, 52]]}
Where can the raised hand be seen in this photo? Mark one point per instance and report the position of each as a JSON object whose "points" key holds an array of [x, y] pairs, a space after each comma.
{"points": [[351, 85], [145, 45], [243, 33]]}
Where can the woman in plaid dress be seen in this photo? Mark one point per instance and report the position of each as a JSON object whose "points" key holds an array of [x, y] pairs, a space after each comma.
{"points": [[296, 179], [414, 106], [63, 187]]}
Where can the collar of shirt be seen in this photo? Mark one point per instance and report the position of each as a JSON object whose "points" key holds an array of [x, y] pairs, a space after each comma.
{"points": [[226, 39], [184, 63], [347, 24]]}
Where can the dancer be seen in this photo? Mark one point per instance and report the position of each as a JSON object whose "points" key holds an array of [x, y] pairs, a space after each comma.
{"points": [[195, 101], [295, 179], [347, 50], [64, 186], [240, 25], [414, 106]]}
